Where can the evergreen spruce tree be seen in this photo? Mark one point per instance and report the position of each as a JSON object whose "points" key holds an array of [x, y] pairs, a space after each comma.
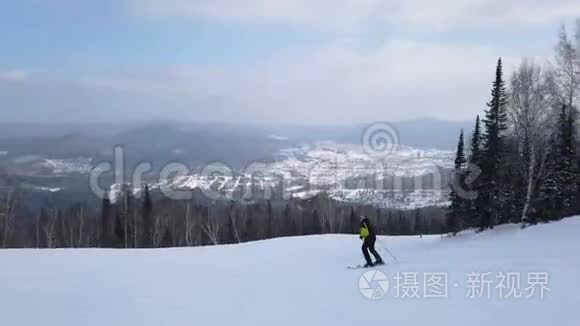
{"points": [[495, 121], [457, 207], [559, 187], [573, 119], [569, 168], [546, 205], [475, 147], [460, 154], [512, 190], [474, 205]]}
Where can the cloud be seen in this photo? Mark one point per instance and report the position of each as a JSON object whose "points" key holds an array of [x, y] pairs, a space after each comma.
{"points": [[339, 83], [13, 75], [361, 15]]}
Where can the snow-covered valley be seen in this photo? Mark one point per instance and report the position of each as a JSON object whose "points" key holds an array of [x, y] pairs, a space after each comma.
{"points": [[407, 178]]}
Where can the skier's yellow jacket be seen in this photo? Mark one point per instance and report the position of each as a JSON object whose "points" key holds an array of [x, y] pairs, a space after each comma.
{"points": [[364, 231]]}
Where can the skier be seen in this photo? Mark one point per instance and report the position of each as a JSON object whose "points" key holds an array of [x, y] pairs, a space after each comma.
{"points": [[368, 236]]}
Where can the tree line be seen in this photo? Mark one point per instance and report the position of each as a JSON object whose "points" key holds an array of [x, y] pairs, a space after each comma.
{"points": [[130, 221], [522, 163]]}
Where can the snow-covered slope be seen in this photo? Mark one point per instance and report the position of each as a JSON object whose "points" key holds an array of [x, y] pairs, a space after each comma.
{"points": [[293, 281]]}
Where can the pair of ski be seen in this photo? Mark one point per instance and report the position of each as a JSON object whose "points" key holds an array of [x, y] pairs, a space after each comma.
{"points": [[360, 266]]}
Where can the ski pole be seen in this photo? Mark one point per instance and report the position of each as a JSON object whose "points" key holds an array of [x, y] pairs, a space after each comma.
{"points": [[387, 250]]}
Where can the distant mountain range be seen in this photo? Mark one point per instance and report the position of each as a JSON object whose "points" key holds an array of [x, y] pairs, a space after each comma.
{"points": [[201, 142], [426, 133]]}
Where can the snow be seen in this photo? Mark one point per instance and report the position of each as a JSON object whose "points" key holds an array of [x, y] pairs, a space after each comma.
{"points": [[394, 199], [291, 281], [294, 188], [305, 194], [279, 138], [307, 170], [49, 189], [80, 165], [115, 192], [344, 158]]}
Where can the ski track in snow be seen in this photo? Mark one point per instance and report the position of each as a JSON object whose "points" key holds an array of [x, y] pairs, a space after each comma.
{"points": [[289, 281]]}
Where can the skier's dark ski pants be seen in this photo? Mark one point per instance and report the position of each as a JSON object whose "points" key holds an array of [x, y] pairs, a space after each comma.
{"points": [[369, 245]]}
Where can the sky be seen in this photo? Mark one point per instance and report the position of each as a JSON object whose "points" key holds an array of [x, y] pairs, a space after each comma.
{"points": [[264, 61]]}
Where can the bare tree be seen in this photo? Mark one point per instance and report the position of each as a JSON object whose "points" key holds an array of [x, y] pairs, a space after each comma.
{"points": [[189, 225], [577, 33], [7, 216], [234, 221], [532, 99], [37, 228], [81, 226], [567, 67], [157, 232], [326, 213], [135, 230], [212, 227], [125, 200], [49, 229]]}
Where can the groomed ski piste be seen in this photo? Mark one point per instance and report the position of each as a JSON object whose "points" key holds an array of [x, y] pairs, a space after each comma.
{"points": [[304, 281]]}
